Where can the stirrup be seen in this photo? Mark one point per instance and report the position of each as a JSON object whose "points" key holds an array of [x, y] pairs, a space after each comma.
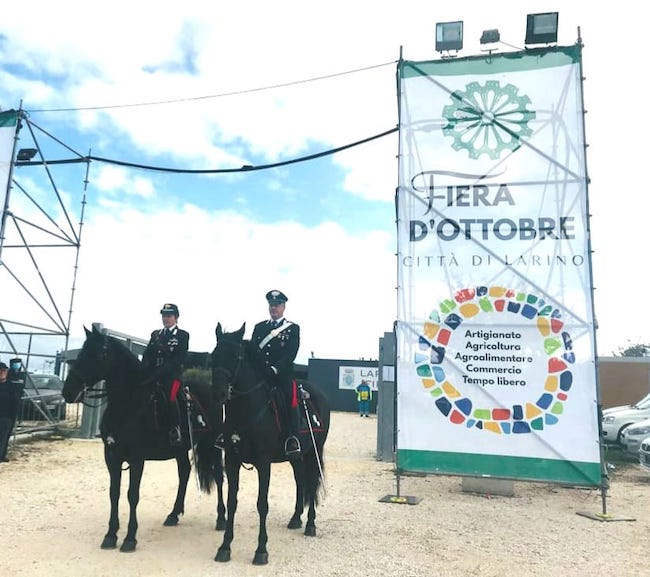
{"points": [[292, 445]]}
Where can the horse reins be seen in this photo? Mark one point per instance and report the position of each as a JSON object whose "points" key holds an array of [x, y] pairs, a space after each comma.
{"points": [[231, 377]]}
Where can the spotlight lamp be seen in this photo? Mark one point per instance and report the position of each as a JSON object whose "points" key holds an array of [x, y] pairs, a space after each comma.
{"points": [[25, 154], [449, 36], [490, 36], [541, 28]]}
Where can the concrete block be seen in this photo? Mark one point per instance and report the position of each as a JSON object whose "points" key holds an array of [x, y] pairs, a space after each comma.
{"points": [[488, 486]]}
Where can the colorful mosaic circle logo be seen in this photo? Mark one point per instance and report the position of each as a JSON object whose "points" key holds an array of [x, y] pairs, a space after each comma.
{"points": [[523, 417], [487, 119]]}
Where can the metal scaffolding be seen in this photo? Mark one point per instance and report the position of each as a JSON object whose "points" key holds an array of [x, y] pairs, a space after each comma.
{"points": [[39, 246]]}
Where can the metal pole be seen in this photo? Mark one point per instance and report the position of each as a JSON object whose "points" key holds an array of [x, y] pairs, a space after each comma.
{"points": [[5, 208], [76, 268], [604, 478], [397, 191]]}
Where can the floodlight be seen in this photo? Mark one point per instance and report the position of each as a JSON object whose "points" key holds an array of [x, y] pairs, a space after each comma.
{"points": [[25, 154], [449, 36], [541, 28], [490, 36]]}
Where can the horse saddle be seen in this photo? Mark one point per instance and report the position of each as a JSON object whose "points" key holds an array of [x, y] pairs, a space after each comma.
{"points": [[309, 419], [189, 406]]}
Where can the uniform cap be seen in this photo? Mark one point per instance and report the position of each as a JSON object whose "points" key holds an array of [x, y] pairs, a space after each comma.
{"points": [[3, 367], [169, 309], [275, 297]]}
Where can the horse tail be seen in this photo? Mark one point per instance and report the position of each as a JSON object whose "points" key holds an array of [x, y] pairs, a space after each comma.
{"points": [[208, 463], [314, 476], [314, 471]]}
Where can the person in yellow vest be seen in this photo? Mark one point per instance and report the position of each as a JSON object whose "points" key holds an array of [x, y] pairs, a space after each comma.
{"points": [[364, 396]]}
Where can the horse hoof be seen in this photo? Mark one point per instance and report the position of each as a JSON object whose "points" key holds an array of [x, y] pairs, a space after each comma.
{"points": [[128, 546], [220, 525], [171, 521], [310, 531], [223, 556], [294, 523], [261, 558], [109, 542]]}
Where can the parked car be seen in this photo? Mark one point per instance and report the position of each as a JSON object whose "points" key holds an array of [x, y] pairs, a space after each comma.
{"points": [[633, 435], [617, 419], [644, 454], [45, 391]]}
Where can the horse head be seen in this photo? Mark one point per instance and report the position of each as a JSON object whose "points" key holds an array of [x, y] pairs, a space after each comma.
{"points": [[90, 366], [227, 358]]}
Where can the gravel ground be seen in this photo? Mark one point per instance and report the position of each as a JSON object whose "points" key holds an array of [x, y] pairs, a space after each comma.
{"points": [[54, 503]]}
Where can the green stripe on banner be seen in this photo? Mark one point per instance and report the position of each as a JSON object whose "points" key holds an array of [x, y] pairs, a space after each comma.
{"points": [[524, 468], [534, 59], [8, 118]]}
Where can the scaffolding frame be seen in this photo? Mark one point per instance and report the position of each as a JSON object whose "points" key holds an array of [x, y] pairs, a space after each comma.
{"points": [[39, 249]]}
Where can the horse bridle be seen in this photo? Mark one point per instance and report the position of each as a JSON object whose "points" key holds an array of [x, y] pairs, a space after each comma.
{"points": [[90, 392], [231, 376]]}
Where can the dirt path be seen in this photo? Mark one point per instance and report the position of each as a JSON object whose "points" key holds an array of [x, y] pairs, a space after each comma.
{"points": [[54, 503]]}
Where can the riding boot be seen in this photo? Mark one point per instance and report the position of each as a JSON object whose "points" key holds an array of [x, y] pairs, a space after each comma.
{"points": [[292, 446], [175, 438]]}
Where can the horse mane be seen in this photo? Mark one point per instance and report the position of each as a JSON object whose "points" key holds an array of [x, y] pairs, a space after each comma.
{"points": [[126, 355]]}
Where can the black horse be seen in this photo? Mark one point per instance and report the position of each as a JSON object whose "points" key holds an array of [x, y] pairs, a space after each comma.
{"points": [[134, 430], [252, 435]]}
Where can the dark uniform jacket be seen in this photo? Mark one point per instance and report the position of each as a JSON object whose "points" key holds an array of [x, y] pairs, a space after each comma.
{"points": [[281, 350], [165, 354], [10, 394]]}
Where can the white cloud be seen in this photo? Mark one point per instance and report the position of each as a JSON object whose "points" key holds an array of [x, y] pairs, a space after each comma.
{"points": [[113, 179], [226, 262], [218, 266]]}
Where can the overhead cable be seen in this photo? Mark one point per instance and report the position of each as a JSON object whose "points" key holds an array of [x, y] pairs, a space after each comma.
{"points": [[246, 167], [209, 96]]}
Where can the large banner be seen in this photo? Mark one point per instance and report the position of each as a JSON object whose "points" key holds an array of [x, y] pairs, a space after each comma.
{"points": [[496, 369]]}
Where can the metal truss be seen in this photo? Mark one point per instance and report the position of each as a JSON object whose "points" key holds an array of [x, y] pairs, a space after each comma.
{"points": [[39, 247]]}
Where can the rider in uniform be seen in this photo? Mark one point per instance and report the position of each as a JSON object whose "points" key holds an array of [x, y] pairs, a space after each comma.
{"points": [[164, 358], [278, 341]]}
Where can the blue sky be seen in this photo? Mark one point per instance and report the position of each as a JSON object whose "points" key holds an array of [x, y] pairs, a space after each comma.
{"points": [[261, 83]]}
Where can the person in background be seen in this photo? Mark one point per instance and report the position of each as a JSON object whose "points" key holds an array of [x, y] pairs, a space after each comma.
{"points": [[10, 395], [278, 341], [164, 358], [364, 396]]}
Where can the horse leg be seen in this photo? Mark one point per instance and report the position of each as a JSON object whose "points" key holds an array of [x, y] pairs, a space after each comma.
{"points": [[311, 482], [184, 468], [298, 475], [115, 472], [263, 480], [232, 472], [310, 527], [220, 525], [135, 476]]}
